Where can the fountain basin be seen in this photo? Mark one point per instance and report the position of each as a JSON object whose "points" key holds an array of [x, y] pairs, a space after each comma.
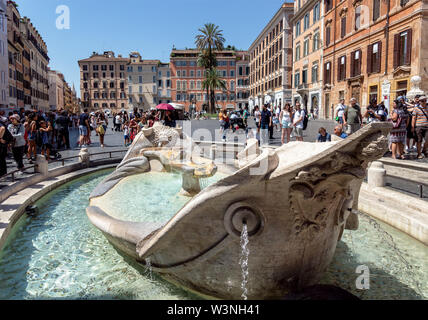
{"points": [[296, 205]]}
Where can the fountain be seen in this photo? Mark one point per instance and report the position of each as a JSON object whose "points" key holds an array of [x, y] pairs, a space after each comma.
{"points": [[294, 203]]}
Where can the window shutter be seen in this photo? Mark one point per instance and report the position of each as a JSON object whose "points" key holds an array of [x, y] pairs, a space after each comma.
{"points": [[359, 61], [379, 60], [369, 58], [353, 64], [338, 69], [344, 70], [327, 35], [409, 47], [396, 50]]}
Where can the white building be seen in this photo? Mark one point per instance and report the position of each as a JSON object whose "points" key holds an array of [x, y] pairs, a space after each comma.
{"points": [[4, 63]]}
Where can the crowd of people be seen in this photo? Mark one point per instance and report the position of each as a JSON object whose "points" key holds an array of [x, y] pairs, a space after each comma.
{"points": [[26, 134]]}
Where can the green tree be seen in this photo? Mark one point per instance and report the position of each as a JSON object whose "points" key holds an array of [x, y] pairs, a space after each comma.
{"points": [[208, 42], [212, 83]]}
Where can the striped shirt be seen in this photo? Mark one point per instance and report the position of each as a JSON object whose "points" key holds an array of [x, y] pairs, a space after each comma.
{"points": [[421, 118]]}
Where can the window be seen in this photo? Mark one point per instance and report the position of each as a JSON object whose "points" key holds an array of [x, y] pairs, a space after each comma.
{"points": [[112, 84], [305, 76], [316, 42], [356, 63], [130, 89], [111, 67], [341, 68], [358, 17], [178, 85], [140, 89], [374, 55], [122, 67], [297, 29], [130, 79], [232, 85], [130, 69], [306, 47], [297, 52], [376, 9], [343, 27], [327, 73], [315, 73], [403, 48], [328, 5], [160, 82], [140, 69], [232, 73], [95, 67], [306, 22], [95, 85], [316, 13], [373, 93], [178, 73], [192, 73], [198, 74], [85, 68], [327, 36], [296, 79], [104, 67]]}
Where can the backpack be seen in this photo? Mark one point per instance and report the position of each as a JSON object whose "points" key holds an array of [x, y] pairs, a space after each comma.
{"points": [[305, 121], [7, 136]]}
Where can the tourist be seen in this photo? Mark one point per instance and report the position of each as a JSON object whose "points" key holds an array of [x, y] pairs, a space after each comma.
{"points": [[323, 136], [246, 115], [299, 117], [411, 136], [118, 123], [272, 115], [17, 129], [84, 128], [257, 118], [420, 126], [353, 118], [102, 125], [32, 137], [169, 120], [339, 112], [133, 130], [4, 141], [63, 124], [126, 134], [374, 112], [265, 123], [338, 132], [398, 134], [286, 117], [45, 128], [276, 119]]}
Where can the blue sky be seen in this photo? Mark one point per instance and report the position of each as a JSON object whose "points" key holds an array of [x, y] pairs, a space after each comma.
{"points": [[150, 27]]}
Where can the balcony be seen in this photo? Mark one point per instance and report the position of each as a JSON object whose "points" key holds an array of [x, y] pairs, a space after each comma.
{"points": [[302, 88]]}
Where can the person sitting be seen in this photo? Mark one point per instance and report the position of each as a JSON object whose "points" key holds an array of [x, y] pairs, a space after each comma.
{"points": [[338, 133], [323, 136]]}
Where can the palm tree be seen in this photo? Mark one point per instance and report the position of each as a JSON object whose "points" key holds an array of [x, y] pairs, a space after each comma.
{"points": [[212, 83], [208, 41]]}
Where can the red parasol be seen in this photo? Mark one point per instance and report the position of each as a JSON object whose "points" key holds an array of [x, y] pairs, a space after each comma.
{"points": [[165, 106]]}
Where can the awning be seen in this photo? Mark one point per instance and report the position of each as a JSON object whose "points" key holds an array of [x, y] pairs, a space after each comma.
{"points": [[177, 106]]}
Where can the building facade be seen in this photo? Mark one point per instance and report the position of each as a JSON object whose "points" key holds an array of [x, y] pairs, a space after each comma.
{"points": [[372, 48], [164, 83], [187, 79], [56, 90], [4, 62], [242, 79], [39, 61], [142, 82], [271, 61], [15, 49], [308, 54], [103, 82]]}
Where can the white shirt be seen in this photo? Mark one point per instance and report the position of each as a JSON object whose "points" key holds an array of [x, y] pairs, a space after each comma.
{"points": [[340, 110], [257, 114], [297, 115]]}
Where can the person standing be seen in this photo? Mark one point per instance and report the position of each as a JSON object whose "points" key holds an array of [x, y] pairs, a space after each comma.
{"points": [[353, 118], [265, 123], [62, 125], [339, 112], [3, 146], [286, 123], [102, 124], [17, 129], [84, 128], [45, 128], [257, 118], [299, 117], [420, 126], [398, 134]]}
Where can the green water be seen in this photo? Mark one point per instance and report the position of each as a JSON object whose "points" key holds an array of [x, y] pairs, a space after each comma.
{"points": [[60, 255]]}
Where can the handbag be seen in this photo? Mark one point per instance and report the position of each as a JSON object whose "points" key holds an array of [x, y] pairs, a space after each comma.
{"points": [[101, 130]]}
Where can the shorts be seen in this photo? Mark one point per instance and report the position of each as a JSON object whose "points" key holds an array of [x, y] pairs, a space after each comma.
{"points": [[83, 130], [421, 134], [32, 136], [126, 137], [298, 132], [286, 125], [264, 126]]}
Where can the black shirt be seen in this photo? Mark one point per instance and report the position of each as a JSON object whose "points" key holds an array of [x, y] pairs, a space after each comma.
{"points": [[62, 122], [83, 118], [266, 115]]}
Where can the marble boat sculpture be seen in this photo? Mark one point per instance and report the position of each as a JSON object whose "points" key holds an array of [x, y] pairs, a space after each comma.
{"points": [[295, 200]]}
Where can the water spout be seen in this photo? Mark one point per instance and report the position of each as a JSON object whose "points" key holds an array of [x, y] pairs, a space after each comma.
{"points": [[245, 253]]}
